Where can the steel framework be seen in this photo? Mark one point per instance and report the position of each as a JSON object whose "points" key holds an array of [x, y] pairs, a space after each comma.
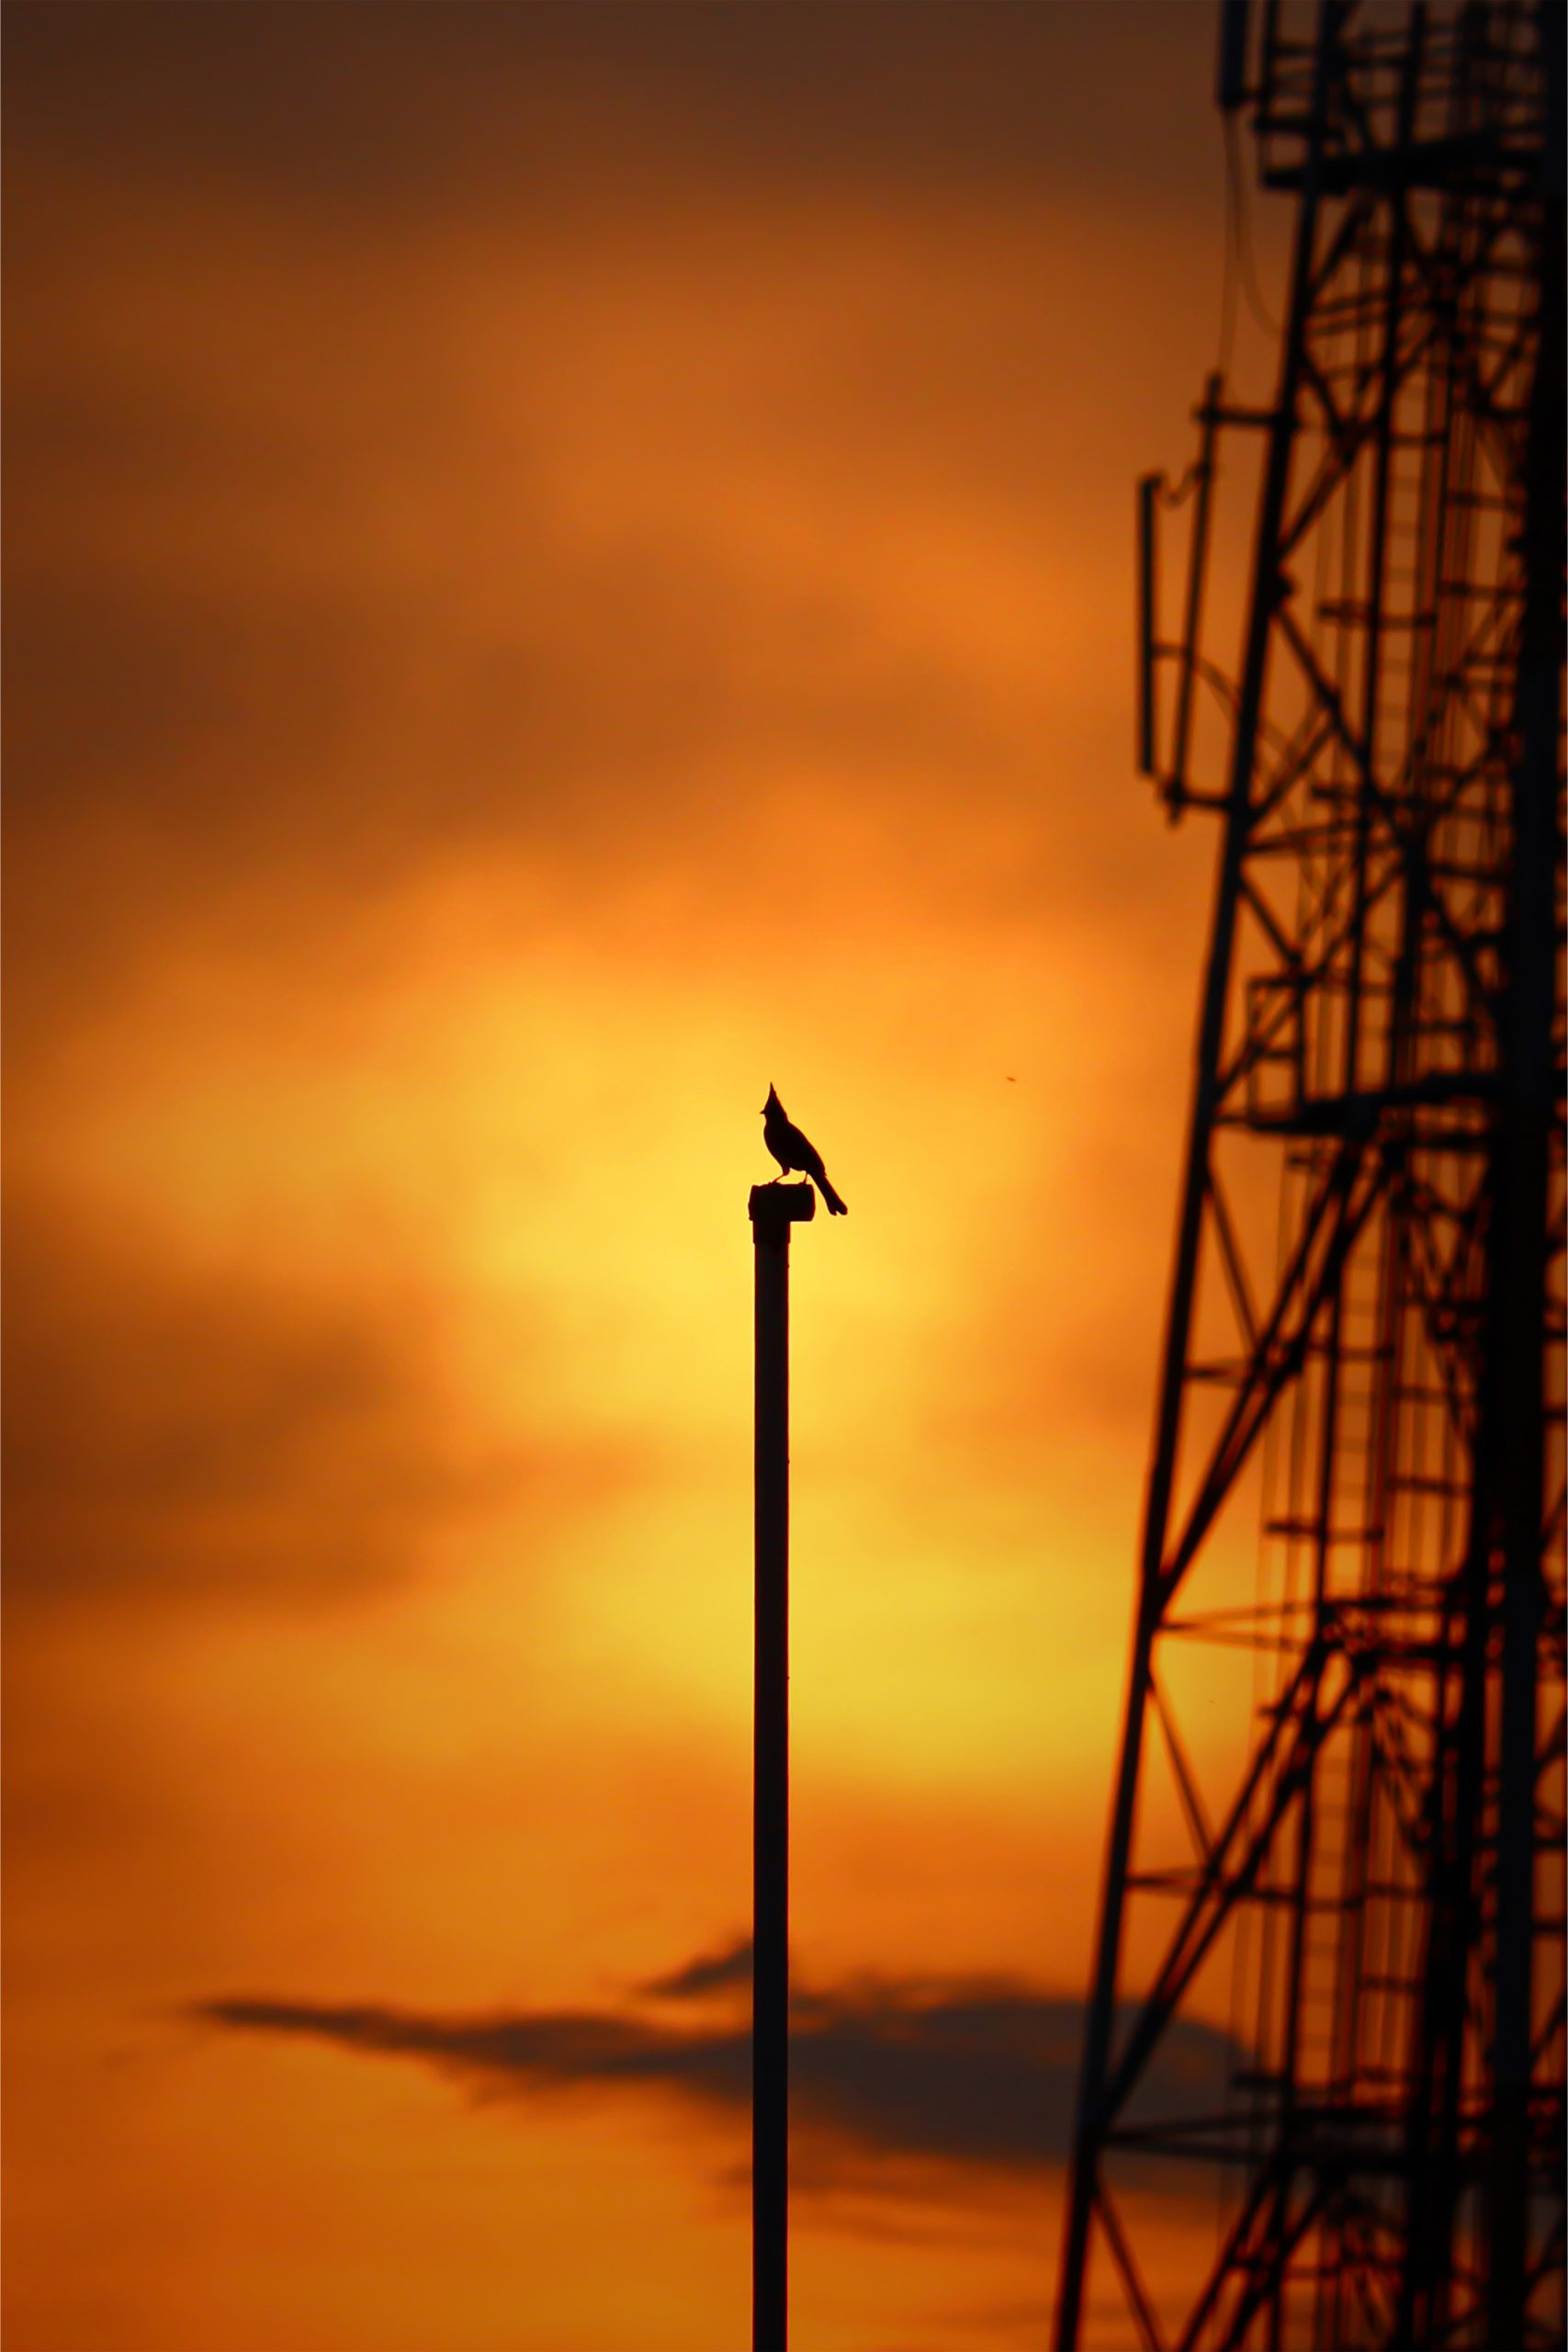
{"points": [[1358, 1870]]}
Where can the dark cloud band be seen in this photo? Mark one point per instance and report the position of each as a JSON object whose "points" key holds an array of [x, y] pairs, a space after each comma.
{"points": [[969, 2071]]}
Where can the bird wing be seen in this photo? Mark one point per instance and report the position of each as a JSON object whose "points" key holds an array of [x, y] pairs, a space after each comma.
{"points": [[805, 1154]]}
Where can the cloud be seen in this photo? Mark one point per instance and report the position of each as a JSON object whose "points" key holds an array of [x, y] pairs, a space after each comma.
{"points": [[173, 1429], [353, 530], [425, 108], [727, 1970], [968, 2071]]}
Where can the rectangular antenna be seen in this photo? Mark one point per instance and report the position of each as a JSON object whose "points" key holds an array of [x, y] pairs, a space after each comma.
{"points": [[1230, 80]]}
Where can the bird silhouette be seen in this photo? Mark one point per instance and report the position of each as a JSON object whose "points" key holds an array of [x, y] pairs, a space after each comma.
{"points": [[791, 1149]]}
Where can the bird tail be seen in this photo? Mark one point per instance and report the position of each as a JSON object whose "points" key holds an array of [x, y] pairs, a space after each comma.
{"points": [[835, 1205]]}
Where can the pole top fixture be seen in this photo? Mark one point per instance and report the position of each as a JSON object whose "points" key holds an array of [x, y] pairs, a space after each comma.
{"points": [[773, 1208]]}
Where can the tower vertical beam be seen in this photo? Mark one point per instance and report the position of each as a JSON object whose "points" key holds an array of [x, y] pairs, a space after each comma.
{"points": [[1521, 1233]]}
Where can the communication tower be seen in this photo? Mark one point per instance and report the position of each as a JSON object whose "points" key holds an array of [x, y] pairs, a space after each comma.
{"points": [[1338, 1828]]}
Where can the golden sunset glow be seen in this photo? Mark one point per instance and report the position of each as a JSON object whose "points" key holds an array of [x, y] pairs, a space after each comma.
{"points": [[565, 565]]}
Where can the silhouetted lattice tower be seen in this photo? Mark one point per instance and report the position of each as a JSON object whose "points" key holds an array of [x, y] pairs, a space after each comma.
{"points": [[1337, 1828]]}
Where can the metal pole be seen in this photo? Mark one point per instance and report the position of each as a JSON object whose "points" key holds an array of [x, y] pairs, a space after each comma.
{"points": [[773, 1208]]}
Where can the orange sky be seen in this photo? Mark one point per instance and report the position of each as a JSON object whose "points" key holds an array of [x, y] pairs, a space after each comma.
{"points": [[564, 564]]}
